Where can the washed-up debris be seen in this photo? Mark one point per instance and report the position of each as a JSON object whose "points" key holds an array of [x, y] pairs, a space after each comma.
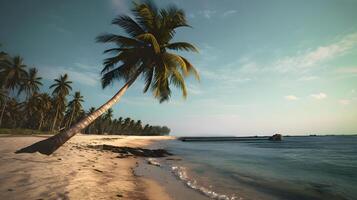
{"points": [[130, 151]]}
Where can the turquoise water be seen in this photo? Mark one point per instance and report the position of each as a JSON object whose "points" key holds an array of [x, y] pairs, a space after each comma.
{"points": [[297, 168]]}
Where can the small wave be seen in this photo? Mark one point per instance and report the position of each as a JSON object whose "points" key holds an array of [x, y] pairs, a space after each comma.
{"points": [[181, 173]]}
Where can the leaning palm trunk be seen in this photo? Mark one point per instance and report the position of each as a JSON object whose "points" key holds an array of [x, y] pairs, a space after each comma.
{"points": [[55, 119], [50, 145]]}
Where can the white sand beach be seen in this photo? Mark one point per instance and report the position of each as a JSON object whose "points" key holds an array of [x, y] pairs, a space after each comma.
{"points": [[74, 171]]}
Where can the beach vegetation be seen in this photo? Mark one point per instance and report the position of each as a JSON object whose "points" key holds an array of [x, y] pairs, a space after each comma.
{"points": [[147, 51]]}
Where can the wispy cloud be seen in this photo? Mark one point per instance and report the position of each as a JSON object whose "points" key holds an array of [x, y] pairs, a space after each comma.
{"points": [[59, 29], [291, 98], [194, 89], [229, 13], [79, 74], [319, 55], [225, 75], [207, 13], [121, 6], [247, 68], [319, 96], [347, 70], [308, 78], [344, 101]]}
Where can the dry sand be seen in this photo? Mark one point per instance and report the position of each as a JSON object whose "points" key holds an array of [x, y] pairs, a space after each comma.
{"points": [[75, 172]]}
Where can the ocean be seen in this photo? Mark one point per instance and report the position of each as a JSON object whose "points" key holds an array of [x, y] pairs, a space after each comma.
{"points": [[297, 168]]}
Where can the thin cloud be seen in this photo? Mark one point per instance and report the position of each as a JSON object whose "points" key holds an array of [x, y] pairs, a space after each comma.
{"points": [[347, 70], [194, 89], [320, 54], [59, 29], [308, 78], [121, 6], [300, 64], [77, 75], [229, 13], [291, 98], [207, 13], [319, 96], [344, 101]]}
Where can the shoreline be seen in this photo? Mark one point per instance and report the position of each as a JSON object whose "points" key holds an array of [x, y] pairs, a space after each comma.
{"points": [[76, 171]]}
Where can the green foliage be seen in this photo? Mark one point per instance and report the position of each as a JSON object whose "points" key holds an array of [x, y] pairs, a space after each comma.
{"points": [[35, 112], [146, 50], [21, 131], [106, 125]]}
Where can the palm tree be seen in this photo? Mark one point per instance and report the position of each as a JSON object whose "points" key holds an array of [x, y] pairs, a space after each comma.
{"points": [[108, 115], [107, 118], [12, 72], [45, 105], [75, 106], [30, 83], [146, 51], [126, 124], [13, 113], [31, 107], [62, 86]]}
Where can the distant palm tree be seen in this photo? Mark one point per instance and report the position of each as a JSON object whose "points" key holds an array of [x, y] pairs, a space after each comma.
{"points": [[30, 83], [62, 86], [107, 118], [145, 51], [30, 107], [13, 113], [108, 115], [45, 105], [138, 126], [75, 106], [3, 55], [12, 72], [126, 123]]}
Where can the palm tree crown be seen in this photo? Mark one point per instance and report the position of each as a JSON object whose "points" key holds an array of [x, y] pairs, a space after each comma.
{"points": [[76, 102], [30, 83], [62, 86], [12, 72], [146, 50]]}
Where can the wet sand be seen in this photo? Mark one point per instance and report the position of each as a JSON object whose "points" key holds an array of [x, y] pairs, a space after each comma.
{"points": [[174, 188], [76, 171]]}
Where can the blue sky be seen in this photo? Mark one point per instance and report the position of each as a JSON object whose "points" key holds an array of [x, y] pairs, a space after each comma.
{"points": [[266, 66]]}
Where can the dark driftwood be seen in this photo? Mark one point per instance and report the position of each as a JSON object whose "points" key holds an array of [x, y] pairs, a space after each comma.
{"points": [[129, 151]]}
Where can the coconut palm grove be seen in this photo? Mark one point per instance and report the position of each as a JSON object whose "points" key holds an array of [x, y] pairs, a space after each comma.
{"points": [[24, 109], [144, 51]]}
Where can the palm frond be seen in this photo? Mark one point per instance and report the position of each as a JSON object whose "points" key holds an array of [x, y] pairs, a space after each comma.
{"points": [[191, 68], [121, 41], [150, 38], [129, 25], [178, 81], [148, 79], [183, 46], [173, 61], [123, 72]]}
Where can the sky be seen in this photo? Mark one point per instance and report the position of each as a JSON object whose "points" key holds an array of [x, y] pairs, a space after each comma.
{"points": [[277, 66]]}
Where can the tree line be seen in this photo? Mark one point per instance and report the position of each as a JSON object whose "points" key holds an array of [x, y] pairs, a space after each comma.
{"points": [[23, 105]]}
